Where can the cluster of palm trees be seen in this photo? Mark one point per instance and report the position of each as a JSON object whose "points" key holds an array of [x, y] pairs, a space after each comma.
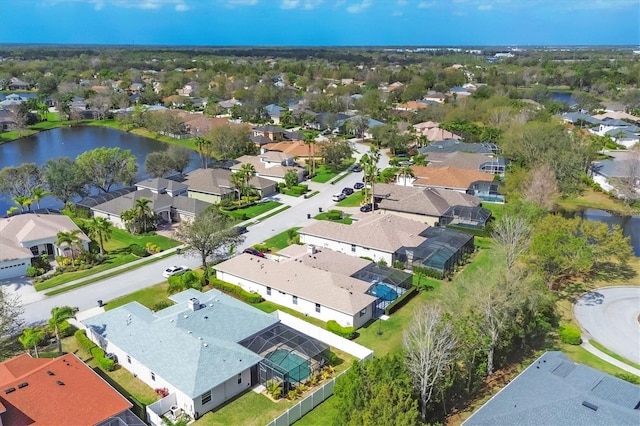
{"points": [[32, 337], [25, 202], [241, 180], [98, 228], [141, 218]]}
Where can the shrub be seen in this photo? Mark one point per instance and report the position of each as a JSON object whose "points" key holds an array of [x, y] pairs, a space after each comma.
{"points": [[334, 215], [162, 392], [263, 248], [346, 332], [161, 305], [98, 354], [138, 251], [398, 265], [32, 271], [428, 272], [236, 291], [570, 335], [400, 301]]}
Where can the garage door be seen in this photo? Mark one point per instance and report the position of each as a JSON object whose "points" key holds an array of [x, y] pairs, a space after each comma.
{"points": [[13, 269]]}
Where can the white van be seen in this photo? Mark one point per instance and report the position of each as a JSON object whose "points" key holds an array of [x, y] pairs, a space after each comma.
{"points": [[338, 197]]}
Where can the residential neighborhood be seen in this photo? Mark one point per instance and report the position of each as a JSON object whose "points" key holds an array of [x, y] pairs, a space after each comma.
{"points": [[295, 236]]}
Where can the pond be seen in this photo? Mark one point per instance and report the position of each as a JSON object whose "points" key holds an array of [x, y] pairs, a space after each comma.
{"points": [[565, 98], [630, 224], [70, 142]]}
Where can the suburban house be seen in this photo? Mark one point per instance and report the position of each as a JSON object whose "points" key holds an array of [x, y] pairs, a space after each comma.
{"points": [[437, 134], [272, 165], [430, 205], [490, 192], [580, 119], [214, 185], [169, 208], [622, 167], [163, 186], [387, 238], [275, 112], [59, 391], [448, 146], [204, 350], [470, 161], [16, 84], [435, 97], [7, 120], [622, 132], [319, 282], [25, 236], [554, 390], [13, 100], [444, 178]]}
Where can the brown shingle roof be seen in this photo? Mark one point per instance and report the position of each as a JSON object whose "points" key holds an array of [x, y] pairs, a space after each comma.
{"points": [[72, 395], [384, 232], [335, 291], [448, 177], [210, 181], [424, 201], [460, 160], [116, 206]]}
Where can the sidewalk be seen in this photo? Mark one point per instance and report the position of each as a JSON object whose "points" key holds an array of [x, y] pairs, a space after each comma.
{"points": [[626, 367]]}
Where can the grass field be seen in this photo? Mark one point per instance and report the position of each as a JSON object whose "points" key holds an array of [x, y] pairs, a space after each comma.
{"points": [[256, 210], [281, 240], [354, 200], [591, 199], [613, 354], [148, 297]]}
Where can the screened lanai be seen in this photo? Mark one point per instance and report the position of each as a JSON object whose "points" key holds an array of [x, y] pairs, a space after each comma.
{"points": [[290, 357], [443, 249], [470, 216], [95, 200]]}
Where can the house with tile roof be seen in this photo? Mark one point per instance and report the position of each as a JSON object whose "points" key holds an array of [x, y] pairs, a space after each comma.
{"points": [[198, 349], [445, 178], [25, 236], [554, 390], [59, 391], [427, 205], [214, 185]]}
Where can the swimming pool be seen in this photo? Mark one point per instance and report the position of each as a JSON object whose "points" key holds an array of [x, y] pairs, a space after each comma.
{"points": [[295, 365], [384, 292]]}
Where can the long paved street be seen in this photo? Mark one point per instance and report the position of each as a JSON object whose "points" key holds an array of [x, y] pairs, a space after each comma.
{"points": [[86, 297]]}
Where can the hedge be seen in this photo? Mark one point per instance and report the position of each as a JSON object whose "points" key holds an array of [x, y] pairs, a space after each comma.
{"points": [[139, 251], [346, 332], [236, 291], [95, 351], [428, 272], [401, 300], [570, 335]]}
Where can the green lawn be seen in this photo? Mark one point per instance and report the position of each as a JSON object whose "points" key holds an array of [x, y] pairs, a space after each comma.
{"points": [[269, 307], [255, 210], [345, 219], [325, 174], [280, 241], [247, 409], [354, 200], [613, 354], [323, 414], [148, 297], [121, 239]]}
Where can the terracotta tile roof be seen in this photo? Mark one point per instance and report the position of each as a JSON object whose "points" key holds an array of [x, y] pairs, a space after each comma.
{"points": [[294, 148], [448, 177], [384, 232], [72, 395]]}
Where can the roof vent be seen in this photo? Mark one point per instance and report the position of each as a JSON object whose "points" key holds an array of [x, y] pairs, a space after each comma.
{"points": [[194, 304], [60, 383], [205, 345], [23, 385], [7, 391], [50, 373], [590, 405]]}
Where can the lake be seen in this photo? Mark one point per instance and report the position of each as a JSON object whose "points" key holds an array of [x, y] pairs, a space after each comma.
{"points": [[565, 98], [630, 224], [70, 142]]}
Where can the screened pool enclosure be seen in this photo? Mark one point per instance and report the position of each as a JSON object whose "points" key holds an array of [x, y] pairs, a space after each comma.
{"points": [[290, 357], [442, 251]]}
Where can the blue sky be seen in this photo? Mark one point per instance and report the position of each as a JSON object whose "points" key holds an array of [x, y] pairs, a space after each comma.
{"points": [[322, 22]]}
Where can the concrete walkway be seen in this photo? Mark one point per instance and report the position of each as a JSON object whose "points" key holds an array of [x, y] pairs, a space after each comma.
{"points": [[623, 366]]}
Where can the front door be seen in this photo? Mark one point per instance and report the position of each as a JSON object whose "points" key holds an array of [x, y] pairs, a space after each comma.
{"points": [[50, 249]]}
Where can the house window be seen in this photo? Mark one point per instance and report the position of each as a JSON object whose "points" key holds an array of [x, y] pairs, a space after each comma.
{"points": [[34, 250], [239, 378], [268, 291], [317, 307], [206, 397], [353, 248], [363, 312], [128, 359], [295, 300], [153, 376]]}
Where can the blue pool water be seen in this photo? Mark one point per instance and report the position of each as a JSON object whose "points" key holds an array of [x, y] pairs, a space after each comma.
{"points": [[384, 292]]}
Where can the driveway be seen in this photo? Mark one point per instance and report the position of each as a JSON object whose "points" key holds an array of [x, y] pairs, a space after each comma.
{"points": [[22, 287], [610, 316]]}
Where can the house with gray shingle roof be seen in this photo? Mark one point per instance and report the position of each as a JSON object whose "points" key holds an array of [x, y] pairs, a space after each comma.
{"points": [[214, 185], [556, 391], [191, 348], [622, 166]]}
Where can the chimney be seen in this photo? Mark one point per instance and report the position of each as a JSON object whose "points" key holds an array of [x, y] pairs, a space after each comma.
{"points": [[194, 304], [311, 249]]}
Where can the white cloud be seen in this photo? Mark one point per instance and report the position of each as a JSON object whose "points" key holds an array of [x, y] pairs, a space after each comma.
{"points": [[241, 2], [181, 7], [396, 13], [359, 7], [426, 4], [401, 2], [300, 4], [485, 6]]}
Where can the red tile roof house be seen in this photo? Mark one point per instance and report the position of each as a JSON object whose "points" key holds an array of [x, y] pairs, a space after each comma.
{"points": [[59, 391]]}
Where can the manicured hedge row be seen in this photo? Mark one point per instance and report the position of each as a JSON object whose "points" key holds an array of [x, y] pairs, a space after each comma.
{"points": [[401, 301], [97, 353], [346, 332], [236, 291]]}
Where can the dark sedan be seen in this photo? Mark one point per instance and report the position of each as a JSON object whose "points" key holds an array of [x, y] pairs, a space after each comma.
{"points": [[358, 185], [367, 208], [251, 250], [347, 191]]}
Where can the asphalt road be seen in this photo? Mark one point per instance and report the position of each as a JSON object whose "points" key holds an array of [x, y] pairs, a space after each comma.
{"points": [[610, 317], [145, 276]]}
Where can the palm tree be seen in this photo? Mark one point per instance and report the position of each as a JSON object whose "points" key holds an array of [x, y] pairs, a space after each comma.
{"points": [[100, 228], [405, 172], [23, 201], [38, 193], [11, 210], [237, 181], [31, 337], [70, 239], [310, 141], [370, 168], [143, 214], [204, 149], [248, 172], [60, 314]]}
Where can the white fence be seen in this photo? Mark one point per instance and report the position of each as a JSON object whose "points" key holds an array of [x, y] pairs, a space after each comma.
{"points": [[325, 336], [296, 412], [158, 408]]}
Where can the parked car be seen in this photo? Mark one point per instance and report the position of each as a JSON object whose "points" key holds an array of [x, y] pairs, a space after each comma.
{"points": [[347, 191], [251, 250], [338, 197], [356, 168], [241, 229], [358, 185], [174, 270], [367, 208]]}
